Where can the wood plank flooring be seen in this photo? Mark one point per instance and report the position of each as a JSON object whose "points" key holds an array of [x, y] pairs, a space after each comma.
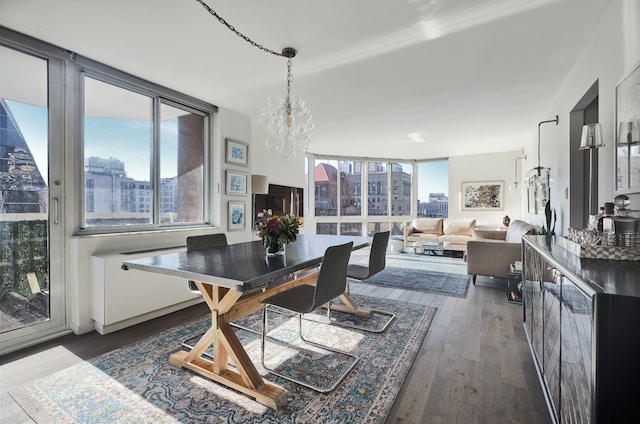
{"points": [[474, 366]]}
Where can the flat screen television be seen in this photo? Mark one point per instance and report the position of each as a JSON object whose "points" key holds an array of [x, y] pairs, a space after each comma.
{"points": [[281, 199]]}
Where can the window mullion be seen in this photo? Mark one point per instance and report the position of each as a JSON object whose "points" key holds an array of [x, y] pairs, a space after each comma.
{"points": [[155, 162]]}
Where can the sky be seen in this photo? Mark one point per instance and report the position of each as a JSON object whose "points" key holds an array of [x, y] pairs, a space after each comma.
{"points": [[127, 140]]}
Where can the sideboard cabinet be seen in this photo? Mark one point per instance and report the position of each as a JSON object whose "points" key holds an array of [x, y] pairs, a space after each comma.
{"points": [[582, 321]]}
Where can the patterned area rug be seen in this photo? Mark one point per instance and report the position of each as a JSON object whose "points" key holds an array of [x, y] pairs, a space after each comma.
{"points": [[440, 275], [135, 384]]}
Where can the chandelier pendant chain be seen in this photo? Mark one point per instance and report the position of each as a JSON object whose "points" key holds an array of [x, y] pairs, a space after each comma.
{"points": [[236, 32], [288, 120], [289, 79]]}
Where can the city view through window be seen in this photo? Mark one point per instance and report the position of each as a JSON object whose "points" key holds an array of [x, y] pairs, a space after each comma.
{"points": [[119, 187], [340, 191]]}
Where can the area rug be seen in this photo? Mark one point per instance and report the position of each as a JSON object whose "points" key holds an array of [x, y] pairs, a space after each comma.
{"points": [[135, 384], [445, 276]]}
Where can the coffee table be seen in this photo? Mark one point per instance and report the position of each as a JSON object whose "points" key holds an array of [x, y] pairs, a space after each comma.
{"points": [[428, 247]]}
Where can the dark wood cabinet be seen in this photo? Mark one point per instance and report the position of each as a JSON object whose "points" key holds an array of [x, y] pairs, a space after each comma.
{"points": [[581, 318]]}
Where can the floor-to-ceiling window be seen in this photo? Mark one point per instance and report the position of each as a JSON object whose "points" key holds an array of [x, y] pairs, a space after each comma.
{"points": [[433, 189], [31, 287], [362, 197]]}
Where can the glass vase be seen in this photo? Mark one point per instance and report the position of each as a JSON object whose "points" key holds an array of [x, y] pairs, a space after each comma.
{"points": [[275, 249]]}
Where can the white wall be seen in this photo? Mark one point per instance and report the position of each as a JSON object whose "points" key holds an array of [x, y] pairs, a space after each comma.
{"points": [[611, 54], [487, 167]]}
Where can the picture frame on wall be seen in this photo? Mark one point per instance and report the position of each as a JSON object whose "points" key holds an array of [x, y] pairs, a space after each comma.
{"points": [[236, 183], [237, 216], [237, 152], [628, 133], [483, 195]]}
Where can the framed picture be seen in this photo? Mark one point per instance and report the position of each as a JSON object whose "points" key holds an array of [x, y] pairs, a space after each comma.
{"points": [[237, 152], [484, 195], [628, 133], [236, 182], [236, 216]]}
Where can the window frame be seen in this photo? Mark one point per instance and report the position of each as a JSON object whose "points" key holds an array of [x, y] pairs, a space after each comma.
{"points": [[85, 67]]}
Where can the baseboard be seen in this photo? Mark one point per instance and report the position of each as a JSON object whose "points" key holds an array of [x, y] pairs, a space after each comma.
{"points": [[106, 329]]}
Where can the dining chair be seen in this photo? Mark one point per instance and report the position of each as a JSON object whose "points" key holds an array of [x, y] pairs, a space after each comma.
{"points": [[330, 283], [377, 259], [357, 272], [206, 241]]}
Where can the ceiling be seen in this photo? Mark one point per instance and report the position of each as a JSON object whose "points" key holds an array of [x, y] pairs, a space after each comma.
{"points": [[399, 79]]}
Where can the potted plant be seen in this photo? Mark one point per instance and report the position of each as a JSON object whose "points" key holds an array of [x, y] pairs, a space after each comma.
{"points": [[550, 217]]}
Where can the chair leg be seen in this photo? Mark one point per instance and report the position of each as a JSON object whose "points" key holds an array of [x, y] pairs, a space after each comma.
{"points": [[359, 327], [319, 389], [474, 280]]}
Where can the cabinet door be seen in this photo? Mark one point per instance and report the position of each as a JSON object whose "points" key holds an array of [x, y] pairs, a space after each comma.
{"points": [[532, 295], [551, 333], [575, 382]]}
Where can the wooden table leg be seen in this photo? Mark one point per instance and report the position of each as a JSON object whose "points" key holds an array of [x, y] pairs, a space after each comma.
{"points": [[351, 307], [226, 345]]}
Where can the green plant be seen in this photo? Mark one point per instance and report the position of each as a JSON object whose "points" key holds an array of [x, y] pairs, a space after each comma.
{"points": [[274, 229], [550, 217]]}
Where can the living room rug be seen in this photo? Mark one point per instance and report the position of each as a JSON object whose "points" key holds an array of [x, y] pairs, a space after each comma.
{"points": [[136, 384], [440, 275]]}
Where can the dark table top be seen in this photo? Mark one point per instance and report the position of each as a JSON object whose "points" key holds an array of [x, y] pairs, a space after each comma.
{"points": [[243, 266], [591, 275]]}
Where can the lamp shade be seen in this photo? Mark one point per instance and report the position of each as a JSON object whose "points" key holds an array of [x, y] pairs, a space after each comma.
{"points": [[629, 132], [259, 184], [591, 137]]}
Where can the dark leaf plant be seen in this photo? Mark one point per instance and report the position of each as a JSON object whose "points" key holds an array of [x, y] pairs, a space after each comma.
{"points": [[550, 217]]}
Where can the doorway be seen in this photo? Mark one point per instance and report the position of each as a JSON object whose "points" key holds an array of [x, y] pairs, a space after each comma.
{"points": [[31, 290], [584, 112]]}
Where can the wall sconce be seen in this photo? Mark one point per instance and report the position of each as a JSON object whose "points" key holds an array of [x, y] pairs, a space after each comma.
{"points": [[591, 139], [516, 187], [538, 180]]}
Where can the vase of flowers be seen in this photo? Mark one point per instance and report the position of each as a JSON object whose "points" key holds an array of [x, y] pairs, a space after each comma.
{"points": [[276, 231]]}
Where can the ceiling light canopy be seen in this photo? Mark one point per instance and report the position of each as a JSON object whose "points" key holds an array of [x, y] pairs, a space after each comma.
{"points": [[287, 118]]}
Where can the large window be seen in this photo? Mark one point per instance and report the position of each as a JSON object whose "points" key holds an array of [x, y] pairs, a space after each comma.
{"points": [[372, 195], [433, 189], [144, 158], [401, 189], [350, 188], [326, 187]]}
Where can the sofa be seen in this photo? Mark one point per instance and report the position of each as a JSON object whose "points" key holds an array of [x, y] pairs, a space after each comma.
{"points": [[453, 233], [490, 252]]}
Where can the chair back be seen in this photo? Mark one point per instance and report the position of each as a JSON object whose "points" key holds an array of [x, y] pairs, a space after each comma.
{"points": [[378, 254], [332, 277], [206, 241]]}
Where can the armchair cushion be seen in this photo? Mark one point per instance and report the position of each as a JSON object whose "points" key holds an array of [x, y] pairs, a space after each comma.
{"points": [[516, 230], [427, 225], [459, 226]]}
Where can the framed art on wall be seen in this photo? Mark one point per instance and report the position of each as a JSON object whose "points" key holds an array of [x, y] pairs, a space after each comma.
{"points": [[236, 216], [237, 152], [483, 195], [236, 182], [628, 133]]}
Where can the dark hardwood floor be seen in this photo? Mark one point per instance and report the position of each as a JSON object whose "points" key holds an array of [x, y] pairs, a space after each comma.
{"points": [[474, 366]]}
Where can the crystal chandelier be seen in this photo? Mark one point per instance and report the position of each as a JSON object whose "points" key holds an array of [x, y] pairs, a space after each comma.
{"points": [[288, 119]]}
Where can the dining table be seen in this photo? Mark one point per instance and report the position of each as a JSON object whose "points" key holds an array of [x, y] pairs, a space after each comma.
{"points": [[233, 281]]}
